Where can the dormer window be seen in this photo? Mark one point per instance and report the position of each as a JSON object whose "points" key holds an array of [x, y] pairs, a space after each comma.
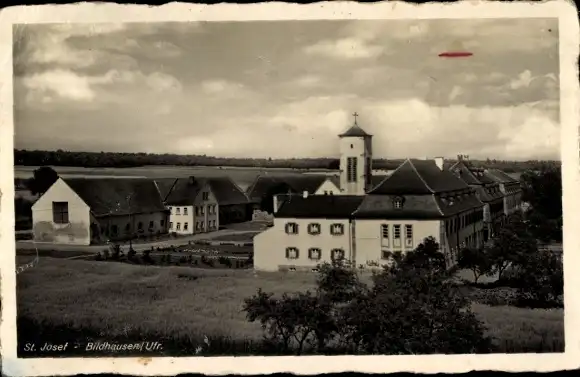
{"points": [[314, 228], [398, 203]]}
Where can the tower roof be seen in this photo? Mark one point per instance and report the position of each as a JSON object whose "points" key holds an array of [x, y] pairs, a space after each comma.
{"points": [[355, 130]]}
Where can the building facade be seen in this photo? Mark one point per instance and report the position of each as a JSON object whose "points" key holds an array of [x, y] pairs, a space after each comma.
{"points": [[83, 211], [373, 218], [193, 207]]}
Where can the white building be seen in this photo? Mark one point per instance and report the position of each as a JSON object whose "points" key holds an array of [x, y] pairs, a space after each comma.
{"points": [[365, 224]]}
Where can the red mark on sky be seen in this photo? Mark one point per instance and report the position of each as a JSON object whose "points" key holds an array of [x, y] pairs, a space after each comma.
{"points": [[455, 54]]}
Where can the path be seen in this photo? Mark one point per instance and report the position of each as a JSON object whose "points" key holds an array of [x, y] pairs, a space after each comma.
{"points": [[136, 246]]}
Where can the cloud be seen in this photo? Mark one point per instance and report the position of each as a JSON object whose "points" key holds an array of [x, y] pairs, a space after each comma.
{"points": [[345, 48], [63, 84]]}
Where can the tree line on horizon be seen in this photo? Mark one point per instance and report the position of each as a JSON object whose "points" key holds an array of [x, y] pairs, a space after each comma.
{"points": [[126, 160]]}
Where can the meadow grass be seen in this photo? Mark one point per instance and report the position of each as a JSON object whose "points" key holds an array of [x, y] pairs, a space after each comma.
{"points": [[117, 300]]}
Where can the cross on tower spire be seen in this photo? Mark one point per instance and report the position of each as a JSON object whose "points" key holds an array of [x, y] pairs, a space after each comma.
{"points": [[355, 115]]}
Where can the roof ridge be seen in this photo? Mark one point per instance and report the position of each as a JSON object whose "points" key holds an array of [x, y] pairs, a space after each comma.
{"points": [[437, 205], [389, 176], [421, 178]]}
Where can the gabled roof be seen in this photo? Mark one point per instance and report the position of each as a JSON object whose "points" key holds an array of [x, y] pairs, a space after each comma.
{"points": [[319, 206], [355, 131], [419, 177], [501, 176], [298, 183], [165, 185], [185, 190], [226, 191], [464, 172], [110, 196]]}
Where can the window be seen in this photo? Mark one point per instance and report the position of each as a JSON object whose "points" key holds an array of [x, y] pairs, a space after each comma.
{"points": [[205, 196], [408, 235], [291, 228], [397, 235], [162, 223], [314, 229], [337, 254], [185, 226], [351, 167], [385, 235], [202, 210], [170, 225], [185, 210], [114, 230], [336, 229], [325, 192], [178, 226], [291, 253], [202, 225], [171, 210], [150, 224], [314, 253], [60, 212], [140, 225], [398, 203], [177, 210]]}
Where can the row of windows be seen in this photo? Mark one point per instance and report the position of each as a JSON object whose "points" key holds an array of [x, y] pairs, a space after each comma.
{"points": [[315, 229], [314, 253], [199, 210], [457, 223], [199, 225], [115, 228], [386, 235]]}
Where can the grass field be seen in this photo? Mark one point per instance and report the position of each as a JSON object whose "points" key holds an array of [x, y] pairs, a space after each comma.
{"points": [[116, 300]]}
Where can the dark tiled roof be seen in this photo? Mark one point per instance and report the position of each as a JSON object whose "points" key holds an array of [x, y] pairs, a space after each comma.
{"points": [[226, 191], [414, 207], [165, 185], [376, 180], [109, 196], [419, 177], [501, 176], [319, 206], [461, 170], [184, 191], [355, 131], [454, 204], [297, 183], [428, 206]]}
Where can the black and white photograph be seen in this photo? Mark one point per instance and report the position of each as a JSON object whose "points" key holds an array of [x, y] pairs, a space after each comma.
{"points": [[345, 186]]}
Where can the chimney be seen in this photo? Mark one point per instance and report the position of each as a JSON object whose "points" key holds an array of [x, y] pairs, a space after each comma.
{"points": [[439, 162], [459, 157], [305, 194]]}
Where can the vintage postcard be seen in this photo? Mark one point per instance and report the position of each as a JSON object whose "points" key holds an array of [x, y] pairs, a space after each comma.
{"points": [[225, 188]]}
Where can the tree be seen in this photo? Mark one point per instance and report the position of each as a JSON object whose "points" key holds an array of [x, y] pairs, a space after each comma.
{"points": [[542, 280], [43, 178], [412, 307], [476, 260], [543, 191], [512, 246]]}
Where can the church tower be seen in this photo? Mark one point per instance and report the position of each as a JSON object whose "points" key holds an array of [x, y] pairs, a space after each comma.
{"points": [[356, 155]]}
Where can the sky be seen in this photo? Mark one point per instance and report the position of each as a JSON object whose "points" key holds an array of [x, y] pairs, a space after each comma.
{"points": [[287, 88]]}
